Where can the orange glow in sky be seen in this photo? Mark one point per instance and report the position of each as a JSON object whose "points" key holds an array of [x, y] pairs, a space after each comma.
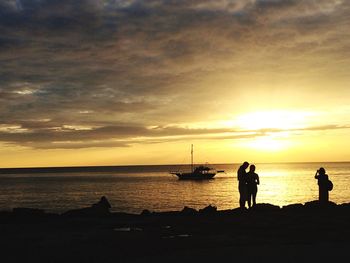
{"points": [[139, 83]]}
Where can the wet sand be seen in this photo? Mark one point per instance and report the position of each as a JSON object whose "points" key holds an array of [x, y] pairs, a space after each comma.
{"points": [[267, 233]]}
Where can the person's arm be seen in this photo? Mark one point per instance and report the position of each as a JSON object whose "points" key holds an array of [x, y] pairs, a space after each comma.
{"points": [[316, 175], [257, 179]]}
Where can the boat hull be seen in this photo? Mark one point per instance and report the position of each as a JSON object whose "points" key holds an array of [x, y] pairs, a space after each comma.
{"points": [[192, 176]]}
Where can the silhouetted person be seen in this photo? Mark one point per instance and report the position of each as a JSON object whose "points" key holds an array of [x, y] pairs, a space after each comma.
{"points": [[323, 185], [252, 185], [242, 184]]}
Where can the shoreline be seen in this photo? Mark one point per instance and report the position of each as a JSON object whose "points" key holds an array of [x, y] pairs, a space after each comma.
{"points": [[41, 211], [212, 209], [269, 233]]}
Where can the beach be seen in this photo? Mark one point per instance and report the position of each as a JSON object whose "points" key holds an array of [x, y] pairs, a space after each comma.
{"points": [[267, 233]]}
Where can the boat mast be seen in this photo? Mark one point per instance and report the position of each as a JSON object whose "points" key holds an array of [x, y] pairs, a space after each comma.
{"points": [[192, 158]]}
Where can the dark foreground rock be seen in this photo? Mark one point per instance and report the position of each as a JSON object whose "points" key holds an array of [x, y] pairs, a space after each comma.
{"points": [[266, 233], [101, 208]]}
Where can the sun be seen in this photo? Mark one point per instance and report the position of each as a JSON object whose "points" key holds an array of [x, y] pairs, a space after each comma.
{"points": [[273, 128], [267, 143], [276, 119]]}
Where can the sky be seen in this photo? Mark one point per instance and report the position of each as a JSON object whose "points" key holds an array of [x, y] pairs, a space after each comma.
{"points": [[93, 82]]}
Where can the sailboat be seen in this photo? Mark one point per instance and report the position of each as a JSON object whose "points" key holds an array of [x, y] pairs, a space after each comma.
{"points": [[197, 173]]}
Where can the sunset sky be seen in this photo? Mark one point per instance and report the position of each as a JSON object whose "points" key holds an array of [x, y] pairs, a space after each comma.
{"points": [[93, 82]]}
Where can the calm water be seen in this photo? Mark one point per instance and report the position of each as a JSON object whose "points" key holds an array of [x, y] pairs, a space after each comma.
{"points": [[132, 189]]}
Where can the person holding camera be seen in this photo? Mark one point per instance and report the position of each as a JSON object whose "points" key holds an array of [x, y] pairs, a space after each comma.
{"points": [[324, 185]]}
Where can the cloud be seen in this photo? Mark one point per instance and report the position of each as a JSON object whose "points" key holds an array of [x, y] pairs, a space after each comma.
{"points": [[99, 63], [45, 134]]}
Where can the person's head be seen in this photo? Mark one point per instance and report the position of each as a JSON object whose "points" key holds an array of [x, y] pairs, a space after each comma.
{"points": [[252, 168], [321, 171], [245, 165]]}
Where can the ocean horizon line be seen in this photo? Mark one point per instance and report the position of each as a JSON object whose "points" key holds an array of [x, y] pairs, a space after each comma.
{"points": [[106, 167]]}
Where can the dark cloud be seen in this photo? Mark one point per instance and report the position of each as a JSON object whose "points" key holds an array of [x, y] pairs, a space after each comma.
{"points": [[99, 63], [46, 134]]}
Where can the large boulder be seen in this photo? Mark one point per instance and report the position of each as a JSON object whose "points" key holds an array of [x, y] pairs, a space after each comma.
{"points": [[293, 207], [319, 205], [264, 207], [101, 208], [188, 211], [208, 210]]}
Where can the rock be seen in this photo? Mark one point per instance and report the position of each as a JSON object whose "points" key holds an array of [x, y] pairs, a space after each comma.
{"points": [[20, 211], [103, 205], [265, 207], [239, 210], [101, 208], [345, 207], [208, 210], [318, 205], [312, 204], [146, 212], [292, 207], [188, 211]]}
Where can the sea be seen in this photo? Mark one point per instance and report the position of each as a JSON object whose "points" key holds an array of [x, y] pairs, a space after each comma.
{"points": [[132, 189]]}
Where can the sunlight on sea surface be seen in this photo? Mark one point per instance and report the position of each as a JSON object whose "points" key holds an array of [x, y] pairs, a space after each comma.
{"points": [[152, 187]]}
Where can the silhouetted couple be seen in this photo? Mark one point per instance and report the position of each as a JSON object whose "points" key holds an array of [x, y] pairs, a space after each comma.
{"points": [[247, 184]]}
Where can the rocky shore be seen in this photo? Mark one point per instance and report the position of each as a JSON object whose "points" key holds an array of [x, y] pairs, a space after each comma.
{"points": [[295, 233]]}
